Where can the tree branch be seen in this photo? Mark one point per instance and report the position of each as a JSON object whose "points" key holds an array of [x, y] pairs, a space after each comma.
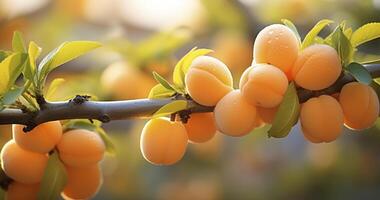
{"points": [[105, 111]]}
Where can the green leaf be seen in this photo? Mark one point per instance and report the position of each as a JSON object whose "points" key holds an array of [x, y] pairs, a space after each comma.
{"points": [[170, 108], [64, 53], [110, 147], [309, 38], [365, 33], [53, 87], [12, 95], [10, 69], [159, 91], [53, 180], [3, 55], [33, 51], [18, 44], [95, 127], [292, 27], [163, 82], [183, 66], [343, 46], [359, 72], [287, 114]]}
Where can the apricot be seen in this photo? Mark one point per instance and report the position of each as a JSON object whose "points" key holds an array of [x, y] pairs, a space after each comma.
{"points": [[267, 114], [21, 165], [41, 139], [276, 45], [360, 105], [317, 67], [321, 119], [234, 116], [81, 147], [163, 142], [263, 85], [200, 127], [123, 81], [82, 182], [208, 80], [21, 191], [234, 50]]}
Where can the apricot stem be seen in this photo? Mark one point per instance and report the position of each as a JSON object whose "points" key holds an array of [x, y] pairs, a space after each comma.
{"points": [[137, 108]]}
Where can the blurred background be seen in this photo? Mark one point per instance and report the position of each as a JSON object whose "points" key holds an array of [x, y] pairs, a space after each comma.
{"points": [[144, 36]]}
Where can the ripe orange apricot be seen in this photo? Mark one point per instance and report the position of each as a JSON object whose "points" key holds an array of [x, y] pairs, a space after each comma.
{"points": [[200, 127], [21, 191], [321, 119], [81, 147], [126, 82], [234, 50], [263, 85], [41, 139], [276, 45], [360, 105], [21, 165], [317, 67], [82, 182], [208, 80], [267, 114], [234, 116], [163, 142]]}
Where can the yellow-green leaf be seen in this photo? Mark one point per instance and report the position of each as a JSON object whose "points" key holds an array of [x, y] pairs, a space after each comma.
{"points": [[110, 147], [18, 43], [287, 114], [163, 81], [53, 87], [309, 38], [292, 27], [365, 33], [159, 91], [33, 51], [170, 108], [64, 53], [53, 180], [10, 68], [183, 65]]}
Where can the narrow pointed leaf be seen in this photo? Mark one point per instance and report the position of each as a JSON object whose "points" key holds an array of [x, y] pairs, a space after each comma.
{"points": [[53, 87], [110, 147], [287, 114], [53, 180], [170, 108], [163, 81], [292, 27], [18, 44], [33, 51], [309, 38], [365, 33], [10, 68], [159, 91]]}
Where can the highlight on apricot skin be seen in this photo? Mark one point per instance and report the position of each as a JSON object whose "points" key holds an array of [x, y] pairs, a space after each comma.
{"points": [[360, 105], [80, 147], [163, 142], [21, 165], [263, 85], [82, 183], [317, 67], [123, 81], [276, 45], [200, 127], [21, 191], [321, 119], [41, 139], [208, 80], [267, 114], [234, 116]]}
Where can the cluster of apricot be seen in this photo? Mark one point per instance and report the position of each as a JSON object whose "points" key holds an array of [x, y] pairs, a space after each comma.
{"points": [[25, 157], [277, 60]]}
